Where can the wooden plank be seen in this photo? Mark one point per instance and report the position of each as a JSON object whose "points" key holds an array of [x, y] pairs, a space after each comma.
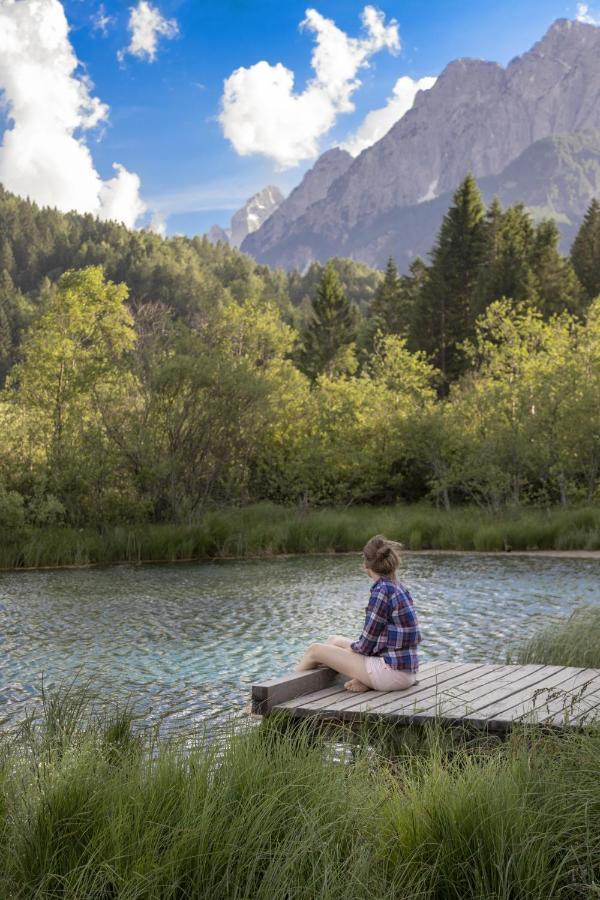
{"points": [[505, 711], [501, 696], [308, 699], [336, 688], [359, 707], [404, 718], [586, 710], [463, 682], [413, 715], [350, 698], [482, 695], [507, 683], [530, 710], [268, 693], [497, 679], [566, 695]]}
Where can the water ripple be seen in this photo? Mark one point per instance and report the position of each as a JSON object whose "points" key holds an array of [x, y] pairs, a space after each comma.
{"points": [[186, 642]]}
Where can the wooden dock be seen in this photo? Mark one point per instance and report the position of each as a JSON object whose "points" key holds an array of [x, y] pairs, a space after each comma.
{"points": [[491, 697]]}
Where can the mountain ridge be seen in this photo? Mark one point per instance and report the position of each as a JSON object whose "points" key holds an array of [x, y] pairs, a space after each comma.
{"points": [[478, 117]]}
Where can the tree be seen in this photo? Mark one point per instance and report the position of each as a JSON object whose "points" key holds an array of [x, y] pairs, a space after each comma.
{"points": [[556, 285], [585, 252], [446, 311], [331, 330], [14, 314], [73, 355], [386, 312], [506, 269]]}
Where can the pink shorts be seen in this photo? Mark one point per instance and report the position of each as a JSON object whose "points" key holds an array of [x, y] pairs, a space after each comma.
{"points": [[384, 678]]}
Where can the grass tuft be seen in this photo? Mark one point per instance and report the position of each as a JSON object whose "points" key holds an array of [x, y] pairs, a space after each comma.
{"points": [[574, 642]]}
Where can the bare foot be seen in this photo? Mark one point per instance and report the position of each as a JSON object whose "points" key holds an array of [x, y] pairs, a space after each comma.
{"points": [[355, 685], [304, 665]]}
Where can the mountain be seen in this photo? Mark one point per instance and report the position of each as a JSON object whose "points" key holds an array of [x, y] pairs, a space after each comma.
{"points": [[251, 216], [479, 117], [555, 177], [313, 187], [217, 234]]}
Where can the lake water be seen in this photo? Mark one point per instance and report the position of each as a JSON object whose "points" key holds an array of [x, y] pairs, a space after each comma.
{"points": [[185, 642]]}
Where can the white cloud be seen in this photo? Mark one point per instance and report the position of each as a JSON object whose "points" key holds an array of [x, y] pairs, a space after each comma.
{"points": [[146, 25], [261, 113], [49, 106], [101, 21], [158, 224], [120, 197], [379, 121], [584, 15]]}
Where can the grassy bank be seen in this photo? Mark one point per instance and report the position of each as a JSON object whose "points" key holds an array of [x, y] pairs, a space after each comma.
{"points": [[266, 530], [91, 808]]}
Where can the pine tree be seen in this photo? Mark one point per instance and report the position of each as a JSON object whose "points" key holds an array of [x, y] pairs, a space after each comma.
{"points": [[413, 286], [506, 271], [7, 258], [14, 315], [585, 252], [387, 308], [331, 329], [557, 285], [447, 308]]}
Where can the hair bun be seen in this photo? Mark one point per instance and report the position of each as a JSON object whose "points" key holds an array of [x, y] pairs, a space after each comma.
{"points": [[382, 556]]}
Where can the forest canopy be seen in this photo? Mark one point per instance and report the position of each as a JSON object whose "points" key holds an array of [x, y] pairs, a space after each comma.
{"points": [[148, 379]]}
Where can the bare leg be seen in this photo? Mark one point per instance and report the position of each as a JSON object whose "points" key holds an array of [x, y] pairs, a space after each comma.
{"points": [[354, 684], [346, 661], [338, 641]]}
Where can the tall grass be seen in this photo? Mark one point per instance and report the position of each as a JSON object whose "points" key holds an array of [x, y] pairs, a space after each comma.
{"points": [[266, 530], [93, 808], [574, 642], [90, 809]]}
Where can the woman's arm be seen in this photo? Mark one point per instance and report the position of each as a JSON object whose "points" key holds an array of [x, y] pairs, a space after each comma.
{"points": [[375, 622]]}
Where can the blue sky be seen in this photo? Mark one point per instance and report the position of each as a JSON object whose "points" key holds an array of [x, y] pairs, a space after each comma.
{"points": [[162, 118]]}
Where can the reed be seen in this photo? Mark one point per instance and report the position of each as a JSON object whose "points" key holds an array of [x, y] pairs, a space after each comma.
{"points": [[268, 530]]}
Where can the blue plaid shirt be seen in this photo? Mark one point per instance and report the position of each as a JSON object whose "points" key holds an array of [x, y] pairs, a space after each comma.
{"points": [[391, 628]]}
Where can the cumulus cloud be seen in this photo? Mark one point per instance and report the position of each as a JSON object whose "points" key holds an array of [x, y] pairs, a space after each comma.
{"points": [[584, 15], [120, 196], [146, 25], [261, 112], [158, 224], [49, 105], [379, 121]]}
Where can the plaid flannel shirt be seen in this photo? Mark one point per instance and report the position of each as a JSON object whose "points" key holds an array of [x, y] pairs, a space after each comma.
{"points": [[391, 627]]}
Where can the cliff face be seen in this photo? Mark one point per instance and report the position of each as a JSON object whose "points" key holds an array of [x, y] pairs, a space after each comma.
{"points": [[313, 187], [478, 117]]}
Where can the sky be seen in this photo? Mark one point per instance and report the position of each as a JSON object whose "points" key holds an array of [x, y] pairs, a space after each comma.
{"points": [[170, 114]]}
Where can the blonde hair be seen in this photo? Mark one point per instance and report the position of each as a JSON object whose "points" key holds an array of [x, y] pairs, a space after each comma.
{"points": [[382, 556]]}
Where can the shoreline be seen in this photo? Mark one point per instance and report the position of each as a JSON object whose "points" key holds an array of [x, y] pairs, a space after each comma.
{"points": [[558, 554]]}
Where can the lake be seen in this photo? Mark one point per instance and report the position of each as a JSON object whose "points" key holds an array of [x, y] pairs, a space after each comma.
{"points": [[185, 642]]}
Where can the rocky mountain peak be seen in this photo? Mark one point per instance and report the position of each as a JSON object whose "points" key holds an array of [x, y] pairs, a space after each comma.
{"points": [[249, 218], [253, 213], [329, 167]]}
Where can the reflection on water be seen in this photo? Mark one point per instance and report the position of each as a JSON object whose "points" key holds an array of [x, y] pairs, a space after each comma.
{"points": [[186, 642]]}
